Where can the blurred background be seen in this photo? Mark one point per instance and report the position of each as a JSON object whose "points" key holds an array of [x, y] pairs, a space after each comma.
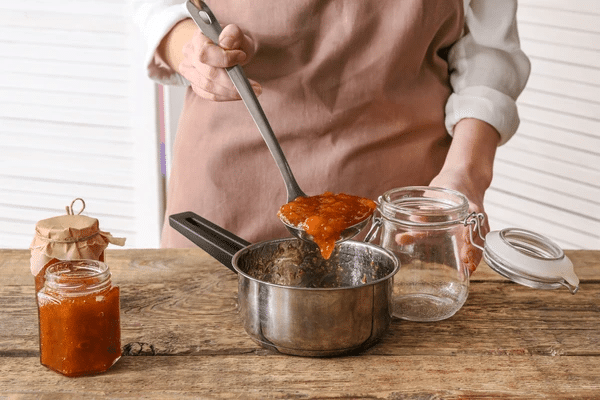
{"points": [[79, 118]]}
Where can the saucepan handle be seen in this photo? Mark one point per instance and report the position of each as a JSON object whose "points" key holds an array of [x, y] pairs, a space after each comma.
{"points": [[216, 241]]}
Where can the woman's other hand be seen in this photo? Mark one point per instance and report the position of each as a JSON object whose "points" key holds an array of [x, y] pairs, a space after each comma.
{"points": [[469, 254], [203, 63], [468, 169]]}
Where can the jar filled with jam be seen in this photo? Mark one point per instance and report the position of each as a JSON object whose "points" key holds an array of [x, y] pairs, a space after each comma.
{"points": [[79, 319]]}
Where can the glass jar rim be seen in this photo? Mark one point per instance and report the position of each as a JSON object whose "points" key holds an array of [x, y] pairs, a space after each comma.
{"points": [[75, 277], [449, 203]]}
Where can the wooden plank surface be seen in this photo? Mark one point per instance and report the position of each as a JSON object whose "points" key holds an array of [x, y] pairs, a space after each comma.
{"points": [[183, 338]]}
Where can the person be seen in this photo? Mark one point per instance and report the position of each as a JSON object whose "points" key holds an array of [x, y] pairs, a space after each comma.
{"points": [[363, 96]]}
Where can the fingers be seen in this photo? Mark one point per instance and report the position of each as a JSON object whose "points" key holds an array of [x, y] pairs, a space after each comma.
{"points": [[213, 89], [469, 254], [204, 63], [208, 82], [408, 238], [404, 239], [227, 53], [232, 38]]}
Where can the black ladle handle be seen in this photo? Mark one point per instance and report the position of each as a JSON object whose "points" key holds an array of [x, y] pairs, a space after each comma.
{"points": [[209, 25], [216, 241]]}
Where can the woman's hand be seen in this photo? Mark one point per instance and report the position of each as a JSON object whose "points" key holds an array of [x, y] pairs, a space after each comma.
{"points": [[203, 62], [468, 169], [474, 192]]}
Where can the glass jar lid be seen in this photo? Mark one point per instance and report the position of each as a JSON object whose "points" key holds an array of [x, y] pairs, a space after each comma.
{"points": [[529, 259]]}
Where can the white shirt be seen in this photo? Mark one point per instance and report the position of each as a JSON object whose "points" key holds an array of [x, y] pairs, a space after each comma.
{"points": [[488, 69]]}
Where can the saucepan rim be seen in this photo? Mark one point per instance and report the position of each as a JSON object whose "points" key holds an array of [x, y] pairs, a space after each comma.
{"points": [[370, 246]]}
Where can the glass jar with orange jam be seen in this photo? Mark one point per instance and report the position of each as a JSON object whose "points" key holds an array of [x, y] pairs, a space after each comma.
{"points": [[79, 320]]}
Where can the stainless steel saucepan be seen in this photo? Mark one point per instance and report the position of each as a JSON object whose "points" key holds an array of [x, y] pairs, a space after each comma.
{"points": [[294, 301]]}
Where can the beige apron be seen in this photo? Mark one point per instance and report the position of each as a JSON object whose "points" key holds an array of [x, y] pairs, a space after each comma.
{"points": [[355, 92]]}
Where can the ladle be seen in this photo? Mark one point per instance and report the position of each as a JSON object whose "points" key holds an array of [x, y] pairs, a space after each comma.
{"points": [[209, 25]]}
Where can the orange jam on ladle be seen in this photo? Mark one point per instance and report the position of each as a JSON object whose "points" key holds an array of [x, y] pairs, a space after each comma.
{"points": [[326, 216]]}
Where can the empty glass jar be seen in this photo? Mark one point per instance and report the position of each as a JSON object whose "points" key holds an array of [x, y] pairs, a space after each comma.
{"points": [[423, 227]]}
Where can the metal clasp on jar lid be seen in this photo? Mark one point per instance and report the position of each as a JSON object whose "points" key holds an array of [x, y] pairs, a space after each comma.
{"points": [[525, 257]]}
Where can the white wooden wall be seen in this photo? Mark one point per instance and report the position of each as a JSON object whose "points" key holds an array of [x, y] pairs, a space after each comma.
{"points": [[77, 119], [547, 178]]}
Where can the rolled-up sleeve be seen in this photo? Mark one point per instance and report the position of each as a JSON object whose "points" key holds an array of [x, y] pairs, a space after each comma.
{"points": [[155, 19], [488, 69]]}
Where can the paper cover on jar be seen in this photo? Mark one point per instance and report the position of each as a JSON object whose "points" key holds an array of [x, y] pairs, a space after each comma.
{"points": [[69, 237]]}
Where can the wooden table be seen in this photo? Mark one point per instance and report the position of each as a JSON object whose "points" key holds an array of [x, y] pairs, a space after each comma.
{"points": [[183, 338]]}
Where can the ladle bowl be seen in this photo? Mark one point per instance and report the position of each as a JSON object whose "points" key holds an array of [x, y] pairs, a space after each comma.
{"points": [[346, 234]]}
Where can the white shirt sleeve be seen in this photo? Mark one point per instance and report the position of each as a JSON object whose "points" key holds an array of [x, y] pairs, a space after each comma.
{"points": [[155, 19], [488, 69]]}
